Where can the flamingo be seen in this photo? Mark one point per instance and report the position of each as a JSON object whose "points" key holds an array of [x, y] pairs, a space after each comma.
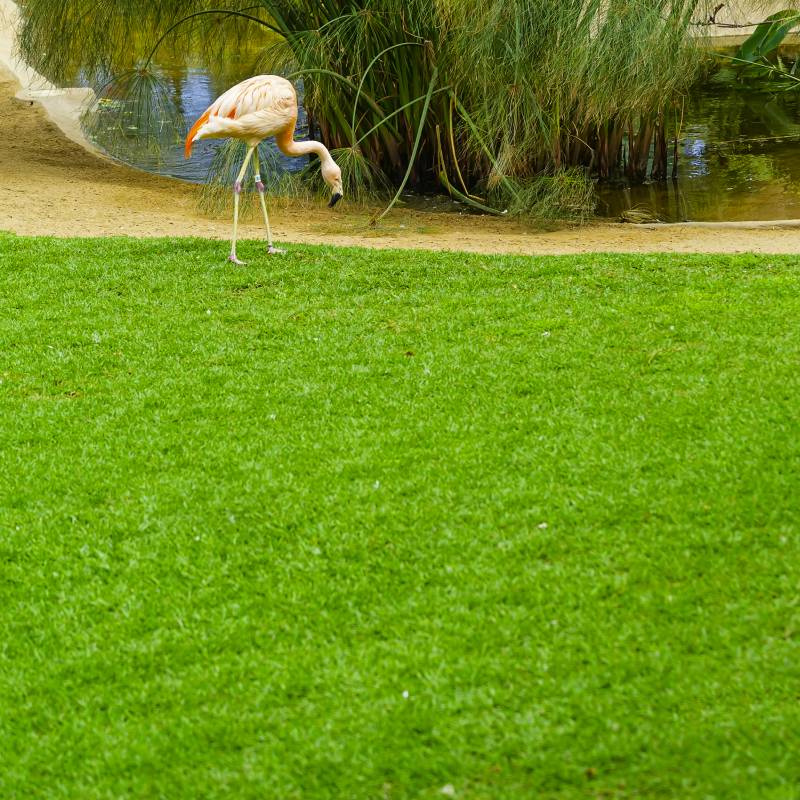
{"points": [[262, 106]]}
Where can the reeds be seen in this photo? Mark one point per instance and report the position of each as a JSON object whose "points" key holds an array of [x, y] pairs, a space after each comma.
{"points": [[525, 88]]}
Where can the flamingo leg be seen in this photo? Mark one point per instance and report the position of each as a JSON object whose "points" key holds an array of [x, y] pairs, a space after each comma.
{"points": [[237, 190], [260, 186]]}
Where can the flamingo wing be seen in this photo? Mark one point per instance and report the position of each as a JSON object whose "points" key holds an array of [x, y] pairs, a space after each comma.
{"points": [[261, 93], [261, 105]]}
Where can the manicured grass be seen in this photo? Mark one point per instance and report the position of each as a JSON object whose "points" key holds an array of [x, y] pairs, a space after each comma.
{"points": [[353, 524]]}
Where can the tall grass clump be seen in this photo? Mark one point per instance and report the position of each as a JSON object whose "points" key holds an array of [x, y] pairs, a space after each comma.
{"points": [[133, 113], [498, 101]]}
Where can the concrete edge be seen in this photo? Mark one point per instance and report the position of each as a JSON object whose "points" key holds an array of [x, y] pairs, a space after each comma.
{"points": [[63, 106], [739, 224]]}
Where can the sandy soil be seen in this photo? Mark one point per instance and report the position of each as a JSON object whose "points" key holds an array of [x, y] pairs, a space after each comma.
{"points": [[50, 185]]}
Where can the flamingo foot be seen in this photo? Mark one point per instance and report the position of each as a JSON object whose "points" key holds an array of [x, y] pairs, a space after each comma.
{"points": [[232, 258], [275, 251]]}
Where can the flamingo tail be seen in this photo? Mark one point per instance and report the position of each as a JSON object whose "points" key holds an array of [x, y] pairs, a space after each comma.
{"points": [[190, 136]]}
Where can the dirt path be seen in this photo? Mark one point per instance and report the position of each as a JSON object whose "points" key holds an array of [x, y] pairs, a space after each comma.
{"points": [[51, 185]]}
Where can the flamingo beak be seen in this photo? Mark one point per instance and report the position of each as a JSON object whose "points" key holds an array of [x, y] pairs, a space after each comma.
{"points": [[335, 199]]}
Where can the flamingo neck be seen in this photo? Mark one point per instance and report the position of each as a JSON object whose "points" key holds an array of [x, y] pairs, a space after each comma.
{"points": [[288, 146]]}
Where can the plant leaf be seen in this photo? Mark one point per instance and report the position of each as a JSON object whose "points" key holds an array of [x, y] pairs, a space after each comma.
{"points": [[768, 35]]}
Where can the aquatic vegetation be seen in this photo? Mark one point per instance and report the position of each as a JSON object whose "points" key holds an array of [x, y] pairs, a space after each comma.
{"points": [[758, 59], [432, 93]]}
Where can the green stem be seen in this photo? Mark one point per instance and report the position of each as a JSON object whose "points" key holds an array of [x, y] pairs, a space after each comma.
{"points": [[466, 199], [484, 146], [397, 111], [417, 140], [767, 67], [226, 12], [364, 77], [370, 102]]}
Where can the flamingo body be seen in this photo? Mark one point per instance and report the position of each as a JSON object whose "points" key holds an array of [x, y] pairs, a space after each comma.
{"points": [[253, 110]]}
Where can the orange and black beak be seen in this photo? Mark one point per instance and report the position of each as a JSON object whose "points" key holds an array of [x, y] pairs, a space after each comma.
{"points": [[334, 200]]}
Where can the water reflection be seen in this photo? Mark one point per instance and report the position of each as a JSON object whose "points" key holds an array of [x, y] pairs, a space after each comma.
{"points": [[739, 158], [193, 88]]}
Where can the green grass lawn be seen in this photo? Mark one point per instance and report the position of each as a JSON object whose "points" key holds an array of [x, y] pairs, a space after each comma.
{"points": [[351, 524]]}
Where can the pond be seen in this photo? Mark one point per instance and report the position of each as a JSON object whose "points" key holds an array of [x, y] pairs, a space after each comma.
{"points": [[194, 87], [739, 159], [739, 153]]}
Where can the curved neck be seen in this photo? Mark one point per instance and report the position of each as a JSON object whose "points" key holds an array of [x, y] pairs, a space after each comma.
{"points": [[288, 146]]}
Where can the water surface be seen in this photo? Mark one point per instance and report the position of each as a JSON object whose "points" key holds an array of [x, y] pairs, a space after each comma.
{"points": [[193, 87], [739, 159]]}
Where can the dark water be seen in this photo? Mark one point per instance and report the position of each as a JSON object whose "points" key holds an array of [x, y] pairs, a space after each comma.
{"points": [[739, 159], [739, 153]]}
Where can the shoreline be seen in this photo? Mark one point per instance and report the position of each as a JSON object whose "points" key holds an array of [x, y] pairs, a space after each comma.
{"points": [[53, 182], [51, 185]]}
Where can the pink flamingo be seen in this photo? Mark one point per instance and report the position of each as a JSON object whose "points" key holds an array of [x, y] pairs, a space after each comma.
{"points": [[263, 106]]}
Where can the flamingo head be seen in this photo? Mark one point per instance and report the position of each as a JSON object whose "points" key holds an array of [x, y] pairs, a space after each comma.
{"points": [[332, 175]]}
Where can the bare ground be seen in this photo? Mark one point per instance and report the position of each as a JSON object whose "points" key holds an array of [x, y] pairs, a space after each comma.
{"points": [[50, 185]]}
